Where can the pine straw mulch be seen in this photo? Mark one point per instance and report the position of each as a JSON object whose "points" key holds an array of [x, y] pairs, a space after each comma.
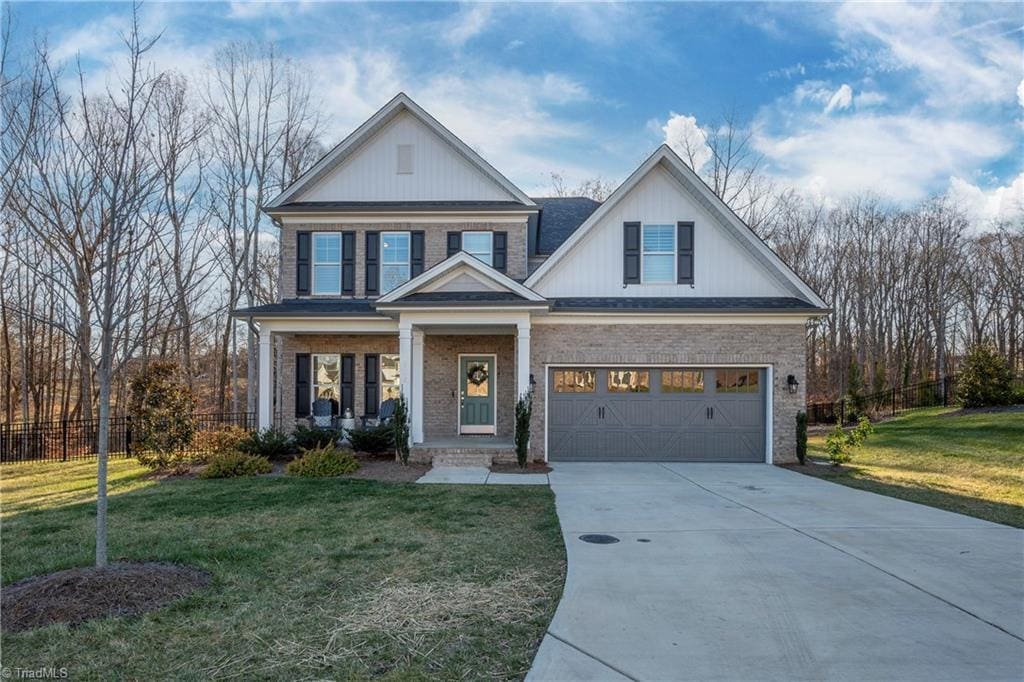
{"points": [[78, 595]]}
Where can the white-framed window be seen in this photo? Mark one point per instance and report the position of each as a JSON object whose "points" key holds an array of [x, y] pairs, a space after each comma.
{"points": [[479, 245], [326, 380], [658, 262], [390, 376], [394, 260], [327, 263]]}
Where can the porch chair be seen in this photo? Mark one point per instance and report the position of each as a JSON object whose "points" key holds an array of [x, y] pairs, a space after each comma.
{"points": [[384, 415], [323, 416]]}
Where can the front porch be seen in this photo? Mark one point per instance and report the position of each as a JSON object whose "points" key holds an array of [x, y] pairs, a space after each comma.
{"points": [[464, 451]]}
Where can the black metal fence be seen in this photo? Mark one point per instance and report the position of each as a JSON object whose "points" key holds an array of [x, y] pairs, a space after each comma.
{"points": [[76, 439], [887, 403]]}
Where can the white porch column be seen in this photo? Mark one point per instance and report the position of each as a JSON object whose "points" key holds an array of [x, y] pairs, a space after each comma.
{"points": [[265, 384], [405, 361], [522, 358], [416, 428]]}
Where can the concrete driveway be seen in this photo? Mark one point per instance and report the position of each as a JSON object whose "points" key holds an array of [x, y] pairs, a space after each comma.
{"points": [[752, 572]]}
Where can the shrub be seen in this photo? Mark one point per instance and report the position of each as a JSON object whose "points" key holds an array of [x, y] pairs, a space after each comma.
{"points": [[374, 440], [219, 441], [524, 413], [161, 412], [322, 462], [232, 464], [801, 437], [839, 444], [269, 443], [306, 438], [985, 379], [174, 462], [400, 429]]}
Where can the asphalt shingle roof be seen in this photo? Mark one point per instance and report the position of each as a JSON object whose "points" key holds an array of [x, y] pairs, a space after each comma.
{"points": [[559, 218]]}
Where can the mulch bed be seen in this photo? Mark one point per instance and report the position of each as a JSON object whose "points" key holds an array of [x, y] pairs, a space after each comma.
{"points": [[531, 468], [385, 468], [818, 469], [78, 595]]}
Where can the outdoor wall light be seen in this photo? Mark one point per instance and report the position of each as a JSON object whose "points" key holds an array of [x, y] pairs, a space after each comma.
{"points": [[792, 384], [533, 382]]}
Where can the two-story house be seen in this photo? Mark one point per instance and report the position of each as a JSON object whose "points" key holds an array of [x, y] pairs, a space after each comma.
{"points": [[652, 326]]}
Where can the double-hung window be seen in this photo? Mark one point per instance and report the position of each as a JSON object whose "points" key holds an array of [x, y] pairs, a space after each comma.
{"points": [[479, 245], [394, 260], [390, 377], [659, 254], [327, 380], [327, 263]]}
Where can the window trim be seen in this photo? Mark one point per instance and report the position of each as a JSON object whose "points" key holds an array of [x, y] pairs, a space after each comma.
{"points": [[383, 264], [672, 253], [490, 234], [314, 263], [314, 384]]}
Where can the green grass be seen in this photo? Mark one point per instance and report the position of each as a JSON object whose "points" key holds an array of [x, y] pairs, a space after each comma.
{"points": [[312, 578], [968, 463]]}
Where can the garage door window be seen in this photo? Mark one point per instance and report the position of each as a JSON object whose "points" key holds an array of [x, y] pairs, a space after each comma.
{"points": [[575, 381], [629, 381], [736, 380], [682, 381]]}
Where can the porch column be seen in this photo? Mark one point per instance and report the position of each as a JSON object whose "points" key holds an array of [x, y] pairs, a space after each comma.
{"points": [[522, 358], [405, 361], [265, 386], [416, 428]]}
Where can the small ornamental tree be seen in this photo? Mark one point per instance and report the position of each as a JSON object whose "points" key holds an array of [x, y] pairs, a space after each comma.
{"points": [[400, 425], [985, 379], [839, 444], [161, 412], [524, 413]]}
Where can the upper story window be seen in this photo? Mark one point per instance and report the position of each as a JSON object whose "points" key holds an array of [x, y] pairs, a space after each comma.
{"points": [[479, 245], [395, 266], [659, 254], [327, 263]]}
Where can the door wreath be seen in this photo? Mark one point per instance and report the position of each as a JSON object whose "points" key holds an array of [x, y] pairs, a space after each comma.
{"points": [[477, 374]]}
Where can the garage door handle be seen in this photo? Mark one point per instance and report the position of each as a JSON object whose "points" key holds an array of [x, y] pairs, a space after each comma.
{"points": [[712, 412]]}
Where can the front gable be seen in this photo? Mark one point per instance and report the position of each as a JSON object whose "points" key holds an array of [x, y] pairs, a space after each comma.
{"points": [[461, 278], [401, 155], [728, 259]]}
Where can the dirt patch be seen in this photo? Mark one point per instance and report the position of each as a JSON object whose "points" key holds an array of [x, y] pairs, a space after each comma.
{"points": [[385, 468], [531, 468], [78, 595]]}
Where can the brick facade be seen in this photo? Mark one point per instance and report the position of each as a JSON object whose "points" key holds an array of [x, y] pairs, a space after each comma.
{"points": [[435, 243], [779, 345]]}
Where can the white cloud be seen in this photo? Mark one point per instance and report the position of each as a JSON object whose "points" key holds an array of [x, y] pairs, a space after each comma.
{"points": [[870, 98], [686, 138], [984, 206], [1020, 92], [469, 22], [840, 99]]}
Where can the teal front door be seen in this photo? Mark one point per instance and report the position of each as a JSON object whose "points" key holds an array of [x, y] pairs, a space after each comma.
{"points": [[476, 394]]}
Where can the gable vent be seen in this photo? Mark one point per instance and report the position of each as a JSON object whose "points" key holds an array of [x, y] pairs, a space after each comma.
{"points": [[405, 159]]}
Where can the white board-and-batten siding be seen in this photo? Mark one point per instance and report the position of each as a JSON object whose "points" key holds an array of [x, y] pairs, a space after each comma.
{"points": [[439, 173], [722, 266]]}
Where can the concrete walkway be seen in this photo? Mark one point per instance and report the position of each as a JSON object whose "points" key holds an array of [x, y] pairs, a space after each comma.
{"points": [[752, 572], [480, 476]]}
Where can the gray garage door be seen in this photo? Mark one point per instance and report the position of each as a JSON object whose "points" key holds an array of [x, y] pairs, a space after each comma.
{"points": [[656, 414]]}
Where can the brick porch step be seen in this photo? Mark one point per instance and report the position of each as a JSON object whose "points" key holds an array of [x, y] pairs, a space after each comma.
{"points": [[461, 456]]}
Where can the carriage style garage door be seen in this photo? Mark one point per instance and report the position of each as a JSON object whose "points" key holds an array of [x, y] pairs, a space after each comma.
{"points": [[656, 414]]}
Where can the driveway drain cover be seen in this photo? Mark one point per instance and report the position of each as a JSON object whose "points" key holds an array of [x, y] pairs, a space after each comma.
{"points": [[598, 539]]}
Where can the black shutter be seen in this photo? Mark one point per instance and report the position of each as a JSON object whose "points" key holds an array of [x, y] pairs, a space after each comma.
{"points": [[302, 377], [454, 243], [372, 263], [302, 258], [348, 263], [348, 382], [684, 244], [631, 253], [416, 254], [372, 384], [499, 246]]}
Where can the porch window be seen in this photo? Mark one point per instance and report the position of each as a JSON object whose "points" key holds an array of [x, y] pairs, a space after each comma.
{"points": [[479, 245], [327, 379], [659, 254], [390, 387], [327, 263], [394, 257]]}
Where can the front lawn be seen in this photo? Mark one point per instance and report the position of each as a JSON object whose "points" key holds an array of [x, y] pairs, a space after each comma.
{"points": [[967, 462], [311, 578]]}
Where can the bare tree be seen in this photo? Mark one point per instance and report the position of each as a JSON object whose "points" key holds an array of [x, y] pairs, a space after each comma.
{"points": [[595, 188]]}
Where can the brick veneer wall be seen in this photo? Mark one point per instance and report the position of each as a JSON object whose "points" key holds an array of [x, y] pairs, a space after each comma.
{"points": [[435, 243], [780, 345], [441, 381]]}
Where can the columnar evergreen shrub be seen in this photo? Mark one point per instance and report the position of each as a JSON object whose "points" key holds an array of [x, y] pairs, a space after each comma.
{"points": [[161, 414], [524, 413], [400, 429], [801, 437]]}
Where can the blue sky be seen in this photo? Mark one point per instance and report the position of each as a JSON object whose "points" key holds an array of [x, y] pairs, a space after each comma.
{"points": [[902, 100]]}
